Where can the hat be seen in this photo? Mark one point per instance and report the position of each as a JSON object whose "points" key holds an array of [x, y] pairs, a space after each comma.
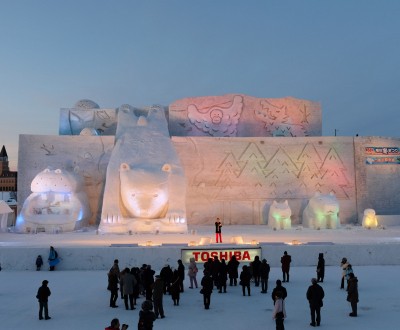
{"points": [[314, 281], [45, 282]]}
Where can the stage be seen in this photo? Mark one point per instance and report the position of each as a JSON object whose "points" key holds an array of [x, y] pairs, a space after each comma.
{"points": [[89, 250]]}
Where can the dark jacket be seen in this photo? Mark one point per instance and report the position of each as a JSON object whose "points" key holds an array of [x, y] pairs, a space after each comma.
{"points": [[233, 265], [352, 290], [43, 293], [285, 261], [321, 266], [207, 284], [146, 319], [264, 270], [281, 289], [315, 294], [256, 266], [245, 276]]}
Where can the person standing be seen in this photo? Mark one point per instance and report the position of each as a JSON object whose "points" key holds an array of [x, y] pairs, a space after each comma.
{"points": [[42, 296], [207, 284], [321, 268], [53, 258], [264, 275], [279, 312], [245, 278], [128, 282], [233, 272], [256, 270], [175, 288], [158, 292], [315, 294], [352, 294], [181, 272], [39, 262], [285, 261], [222, 276], [218, 231], [192, 273], [113, 280]]}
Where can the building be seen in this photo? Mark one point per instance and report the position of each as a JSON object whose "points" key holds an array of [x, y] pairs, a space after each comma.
{"points": [[8, 180]]}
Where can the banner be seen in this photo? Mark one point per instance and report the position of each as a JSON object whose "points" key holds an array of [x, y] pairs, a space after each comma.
{"points": [[381, 151], [202, 255], [382, 160]]}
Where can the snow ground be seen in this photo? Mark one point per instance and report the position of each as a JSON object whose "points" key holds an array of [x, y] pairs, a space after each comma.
{"points": [[80, 300]]}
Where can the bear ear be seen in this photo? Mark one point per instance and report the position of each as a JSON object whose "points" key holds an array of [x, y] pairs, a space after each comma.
{"points": [[47, 170], [166, 167], [58, 171], [124, 167]]}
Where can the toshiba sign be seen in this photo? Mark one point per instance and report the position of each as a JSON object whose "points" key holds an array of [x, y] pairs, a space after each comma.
{"points": [[202, 255]]}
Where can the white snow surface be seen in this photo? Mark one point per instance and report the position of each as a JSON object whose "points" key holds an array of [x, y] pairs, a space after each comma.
{"points": [[80, 300]]}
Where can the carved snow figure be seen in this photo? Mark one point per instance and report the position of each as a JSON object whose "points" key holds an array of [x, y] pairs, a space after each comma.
{"points": [[58, 203], [279, 215], [276, 120], [217, 120], [322, 212], [369, 219], [145, 185]]}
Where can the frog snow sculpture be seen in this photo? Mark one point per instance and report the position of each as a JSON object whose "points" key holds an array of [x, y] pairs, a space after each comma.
{"points": [[57, 202], [145, 184], [322, 212], [279, 215], [369, 219]]}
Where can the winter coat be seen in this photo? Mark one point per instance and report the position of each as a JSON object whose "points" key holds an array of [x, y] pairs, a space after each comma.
{"points": [[112, 281], [175, 289], [285, 261], [281, 289], [128, 282], [279, 307], [233, 265], [43, 293], [315, 294], [166, 274], [146, 319], [256, 266], [349, 270], [158, 289], [352, 290], [264, 270], [223, 273], [207, 284], [245, 277], [39, 261], [321, 266], [192, 269], [344, 268], [181, 271]]}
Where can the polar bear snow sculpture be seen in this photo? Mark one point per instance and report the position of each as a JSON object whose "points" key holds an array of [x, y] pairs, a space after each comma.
{"points": [[57, 202], [322, 212], [145, 185], [279, 215], [369, 219]]}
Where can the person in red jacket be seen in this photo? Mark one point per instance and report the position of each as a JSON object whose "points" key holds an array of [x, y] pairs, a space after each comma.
{"points": [[115, 325]]}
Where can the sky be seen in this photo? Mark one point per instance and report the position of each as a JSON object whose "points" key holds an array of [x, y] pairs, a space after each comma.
{"points": [[343, 54]]}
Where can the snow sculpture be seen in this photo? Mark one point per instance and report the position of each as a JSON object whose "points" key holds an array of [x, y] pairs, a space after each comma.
{"points": [[322, 212], [57, 202], [279, 215], [217, 120], [145, 184], [369, 219]]}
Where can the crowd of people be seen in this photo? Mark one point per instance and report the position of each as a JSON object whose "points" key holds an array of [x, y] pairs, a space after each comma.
{"points": [[130, 284]]}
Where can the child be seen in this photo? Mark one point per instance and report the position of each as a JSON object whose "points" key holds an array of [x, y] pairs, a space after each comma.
{"points": [[39, 262]]}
